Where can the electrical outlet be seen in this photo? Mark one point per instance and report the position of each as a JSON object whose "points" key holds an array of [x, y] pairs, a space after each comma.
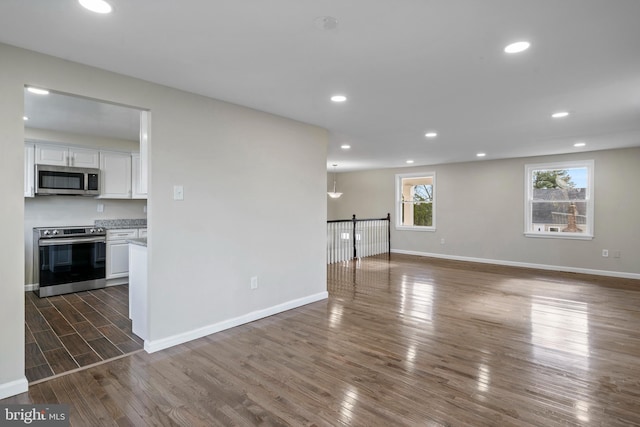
{"points": [[100, 207], [254, 282], [605, 253]]}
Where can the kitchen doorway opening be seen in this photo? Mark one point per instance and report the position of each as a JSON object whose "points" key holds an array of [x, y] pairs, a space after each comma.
{"points": [[79, 328]]}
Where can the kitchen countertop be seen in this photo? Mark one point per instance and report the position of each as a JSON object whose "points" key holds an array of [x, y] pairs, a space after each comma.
{"points": [[113, 224], [140, 242]]}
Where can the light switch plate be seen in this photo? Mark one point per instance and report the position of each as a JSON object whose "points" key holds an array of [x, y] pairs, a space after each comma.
{"points": [[178, 192]]}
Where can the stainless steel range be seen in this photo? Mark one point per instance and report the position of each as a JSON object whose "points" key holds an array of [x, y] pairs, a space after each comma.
{"points": [[68, 259]]}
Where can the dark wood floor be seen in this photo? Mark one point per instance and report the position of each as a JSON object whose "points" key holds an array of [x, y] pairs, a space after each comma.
{"points": [[67, 332], [406, 341]]}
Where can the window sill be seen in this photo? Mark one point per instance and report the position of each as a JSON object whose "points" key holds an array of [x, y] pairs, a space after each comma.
{"points": [[410, 228], [567, 236]]}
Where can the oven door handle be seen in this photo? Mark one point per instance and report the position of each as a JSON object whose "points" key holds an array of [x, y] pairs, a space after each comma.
{"points": [[58, 242]]}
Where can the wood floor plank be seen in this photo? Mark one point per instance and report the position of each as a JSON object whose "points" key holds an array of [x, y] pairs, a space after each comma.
{"points": [[401, 341]]}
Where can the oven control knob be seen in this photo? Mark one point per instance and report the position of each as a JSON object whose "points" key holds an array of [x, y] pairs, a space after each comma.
{"points": [[91, 231], [100, 230], [46, 232], [55, 232]]}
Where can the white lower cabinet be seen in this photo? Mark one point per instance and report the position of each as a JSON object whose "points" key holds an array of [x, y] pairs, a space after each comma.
{"points": [[118, 252]]}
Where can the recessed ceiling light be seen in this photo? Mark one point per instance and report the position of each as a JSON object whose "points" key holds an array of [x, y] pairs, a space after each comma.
{"points": [[579, 144], [481, 154], [97, 6], [409, 161], [517, 47], [338, 98], [38, 91], [25, 118], [560, 114], [345, 146], [431, 134]]}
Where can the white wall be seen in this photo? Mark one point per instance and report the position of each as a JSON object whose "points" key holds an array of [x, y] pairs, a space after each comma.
{"points": [[254, 203], [12, 378], [480, 213]]}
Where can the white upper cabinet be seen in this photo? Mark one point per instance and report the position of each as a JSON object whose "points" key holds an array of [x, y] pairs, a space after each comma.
{"points": [[59, 155], [115, 174], [139, 184], [84, 158], [29, 170]]}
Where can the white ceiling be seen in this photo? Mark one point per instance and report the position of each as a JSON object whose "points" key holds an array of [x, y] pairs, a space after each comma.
{"points": [[75, 114], [407, 66]]}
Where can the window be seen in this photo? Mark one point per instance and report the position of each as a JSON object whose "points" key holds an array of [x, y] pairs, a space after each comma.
{"points": [[415, 201], [559, 200]]}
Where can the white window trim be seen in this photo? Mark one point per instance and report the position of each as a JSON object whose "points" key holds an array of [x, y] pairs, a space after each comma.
{"points": [[528, 189], [398, 200]]}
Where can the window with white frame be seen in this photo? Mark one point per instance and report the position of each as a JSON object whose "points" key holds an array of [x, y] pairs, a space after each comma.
{"points": [[415, 201], [559, 200]]}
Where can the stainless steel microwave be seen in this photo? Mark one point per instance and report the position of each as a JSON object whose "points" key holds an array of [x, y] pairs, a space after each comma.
{"points": [[64, 180]]}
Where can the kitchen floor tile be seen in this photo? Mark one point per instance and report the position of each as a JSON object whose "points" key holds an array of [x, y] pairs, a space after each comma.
{"points": [[72, 330], [75, 344], [87, 358], [33, 356], [60, 360], [47, 340], [57, 321], [87, 331], [105, 348], [38, 372]]}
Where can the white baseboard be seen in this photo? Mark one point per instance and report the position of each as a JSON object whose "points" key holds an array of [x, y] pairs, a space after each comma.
{"points": [[31, 287], [14, 387], [161, 344], [523, 264]]}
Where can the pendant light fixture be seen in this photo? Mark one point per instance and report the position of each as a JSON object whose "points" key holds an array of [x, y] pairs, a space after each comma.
{"points": [[333, 193]]}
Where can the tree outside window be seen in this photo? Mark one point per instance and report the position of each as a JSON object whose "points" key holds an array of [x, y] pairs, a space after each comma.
{"points": [[415, 201], [560, 200]]}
